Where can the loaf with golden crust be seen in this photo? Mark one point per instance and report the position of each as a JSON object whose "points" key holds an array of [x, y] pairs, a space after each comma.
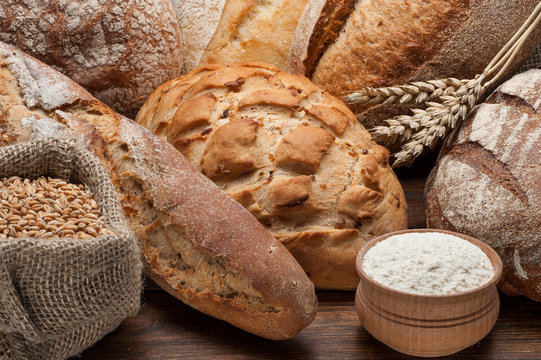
{"points": [[291, 154], [119, 50], [197, 243], [487, 181], [254, 30], [344, 45]]}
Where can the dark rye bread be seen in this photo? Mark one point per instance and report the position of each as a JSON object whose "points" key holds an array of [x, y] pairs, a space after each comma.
{"points": [[487, 182], [342, 46], [198, 244]]}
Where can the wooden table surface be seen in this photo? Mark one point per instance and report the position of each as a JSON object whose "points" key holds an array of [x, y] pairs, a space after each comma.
{"points": [[165, 328]]}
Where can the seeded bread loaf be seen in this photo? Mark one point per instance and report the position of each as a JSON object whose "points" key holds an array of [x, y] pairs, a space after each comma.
{"points": [[344, 45], [487, 182], [198, 244], [255, 30], [119, 50], [291, 154]]}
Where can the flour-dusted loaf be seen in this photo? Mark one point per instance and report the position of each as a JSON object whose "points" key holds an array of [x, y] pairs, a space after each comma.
{"points": [[259, 30], [197, 20], [119, 50], [344, 45], [487, 182], [198, 244], [291, 154]]}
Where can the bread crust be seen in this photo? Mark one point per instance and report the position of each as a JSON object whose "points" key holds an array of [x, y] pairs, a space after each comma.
{"points": [[119, 50], [318, 27], [291, 154], [385, 43], [197, 20], [197, 243], [486, 181], [254, 30]]}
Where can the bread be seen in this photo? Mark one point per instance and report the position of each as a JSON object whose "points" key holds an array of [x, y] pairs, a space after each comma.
{"points": [[254, 30], [344, 45], [197, 21], [487, 181], [119, 50], [197, 243], [291, 154]]}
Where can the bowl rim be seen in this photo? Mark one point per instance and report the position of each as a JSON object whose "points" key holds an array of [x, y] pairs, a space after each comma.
{"points": [[497, 264]]}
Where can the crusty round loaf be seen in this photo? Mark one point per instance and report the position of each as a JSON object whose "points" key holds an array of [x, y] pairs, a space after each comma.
{"points": [[344, 45], [119, 50], [487, 182], [291, 154], [251, 30], [197, 21]]}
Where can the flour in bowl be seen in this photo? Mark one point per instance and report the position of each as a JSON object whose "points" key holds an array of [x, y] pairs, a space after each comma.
{"points": [[428, 263]]}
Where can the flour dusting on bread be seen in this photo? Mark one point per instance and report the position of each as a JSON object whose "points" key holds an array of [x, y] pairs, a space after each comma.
{"points": [[119, 50], [197, 21], [46, 92]]}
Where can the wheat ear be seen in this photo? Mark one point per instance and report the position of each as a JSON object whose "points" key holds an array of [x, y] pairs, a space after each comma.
{"points": [[447, 101]]}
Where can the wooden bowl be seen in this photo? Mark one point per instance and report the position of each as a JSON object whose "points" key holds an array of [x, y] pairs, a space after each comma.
{"points": [[427, 325]]}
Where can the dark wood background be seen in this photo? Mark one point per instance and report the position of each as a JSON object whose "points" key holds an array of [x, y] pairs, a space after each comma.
{"points": [[165, 328]]}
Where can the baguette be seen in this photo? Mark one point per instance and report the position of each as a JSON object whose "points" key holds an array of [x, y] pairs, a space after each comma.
{"points": [[487, 181], [119, 50], [198, 244], [344, 45]]}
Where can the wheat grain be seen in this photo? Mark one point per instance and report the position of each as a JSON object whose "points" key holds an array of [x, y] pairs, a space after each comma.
{"points": [[452, 101], [42, 208], [418, 92], [426, 127]]}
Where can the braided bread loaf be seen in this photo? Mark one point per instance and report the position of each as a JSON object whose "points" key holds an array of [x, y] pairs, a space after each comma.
{"points": [[293, 155]]}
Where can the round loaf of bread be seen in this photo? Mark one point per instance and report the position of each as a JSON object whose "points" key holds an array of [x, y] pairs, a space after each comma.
{"points": [[487, 182], [119, 50], [293, 155]]}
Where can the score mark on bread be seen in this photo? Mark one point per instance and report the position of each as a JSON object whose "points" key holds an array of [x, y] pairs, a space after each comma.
{"points": [[494, 162]]}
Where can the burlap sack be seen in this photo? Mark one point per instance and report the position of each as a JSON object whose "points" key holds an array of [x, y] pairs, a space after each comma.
{"points": [[58, 297]]}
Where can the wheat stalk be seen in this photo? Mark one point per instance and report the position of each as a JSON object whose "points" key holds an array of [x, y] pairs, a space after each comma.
{"points": [[418, 92], [448, 101], [426, 127]]}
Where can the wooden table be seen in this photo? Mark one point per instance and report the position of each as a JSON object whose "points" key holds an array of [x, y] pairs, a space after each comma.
{"points": [[165, 328]]}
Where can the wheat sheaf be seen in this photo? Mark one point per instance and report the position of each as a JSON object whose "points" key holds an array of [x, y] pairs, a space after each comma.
{"points": [[447, 102]]}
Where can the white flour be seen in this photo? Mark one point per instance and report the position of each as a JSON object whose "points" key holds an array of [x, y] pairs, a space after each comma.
{"points": [[428, 263]]}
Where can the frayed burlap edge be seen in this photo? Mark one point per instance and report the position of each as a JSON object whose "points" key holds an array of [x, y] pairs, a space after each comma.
{"points": [[59, 296]]}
